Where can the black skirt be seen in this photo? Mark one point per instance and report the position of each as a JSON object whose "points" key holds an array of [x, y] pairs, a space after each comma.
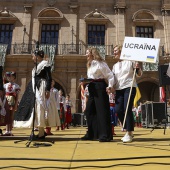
{"points": [[26, 104]]}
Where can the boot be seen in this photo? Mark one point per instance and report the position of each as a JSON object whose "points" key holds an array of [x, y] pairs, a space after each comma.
{"points": [[67, 126], [113, 130], [48, 131], [57, 128]]}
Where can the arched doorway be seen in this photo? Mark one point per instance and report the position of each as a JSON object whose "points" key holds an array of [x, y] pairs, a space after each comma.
{"points": [[59, 87], [149, 91]]}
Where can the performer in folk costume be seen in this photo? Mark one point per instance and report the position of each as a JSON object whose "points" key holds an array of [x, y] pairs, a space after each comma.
{"points": [[139, 115], [84, 96], [134, 111], [68, 112], [1, 98], [44, 110], [61, 110], [112, 111], [54, 99], [10, 102]]}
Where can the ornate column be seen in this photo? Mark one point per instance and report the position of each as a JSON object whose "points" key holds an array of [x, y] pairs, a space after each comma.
{"points": [[74, 9], [27, 23], [166, 23], [74, 29], [119, 9]]}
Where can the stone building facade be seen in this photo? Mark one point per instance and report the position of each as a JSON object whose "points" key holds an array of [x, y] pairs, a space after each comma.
{"points": [[65, 28]]}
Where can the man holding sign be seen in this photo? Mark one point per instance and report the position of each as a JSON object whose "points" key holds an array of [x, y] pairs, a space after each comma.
{"points": [[125, 70]]}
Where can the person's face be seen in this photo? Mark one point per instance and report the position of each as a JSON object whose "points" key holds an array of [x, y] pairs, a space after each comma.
{"points": [[34, 58], [89, 55], [10, 78], [52, 83], [116, 52], [60, 93]]}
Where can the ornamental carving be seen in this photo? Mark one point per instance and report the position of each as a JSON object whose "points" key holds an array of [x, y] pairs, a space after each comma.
{"points": [[51, 2]]}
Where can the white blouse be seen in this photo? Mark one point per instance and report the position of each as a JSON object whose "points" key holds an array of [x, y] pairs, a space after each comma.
{"points": [[100, 70], [56, 94], [68, 103], [11, 88], [63, 101], [123, 72]]}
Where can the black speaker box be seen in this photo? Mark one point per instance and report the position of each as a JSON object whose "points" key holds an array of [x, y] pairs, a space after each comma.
{"points": [[163, 78], [79, 119], [153, 114]]}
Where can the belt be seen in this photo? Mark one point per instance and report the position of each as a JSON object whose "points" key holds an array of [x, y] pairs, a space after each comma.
{"points": [[112, 104]]}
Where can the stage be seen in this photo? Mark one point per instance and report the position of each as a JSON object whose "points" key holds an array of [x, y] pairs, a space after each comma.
{"points": [[147, 151]]}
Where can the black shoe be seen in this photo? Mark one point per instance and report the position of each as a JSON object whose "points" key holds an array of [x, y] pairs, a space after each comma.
{"points": [[40, 137], [86, 137], [1, 132], [104, 140]]}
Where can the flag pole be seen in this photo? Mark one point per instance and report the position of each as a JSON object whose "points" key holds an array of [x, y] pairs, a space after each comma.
{"points": [[129, 97]]}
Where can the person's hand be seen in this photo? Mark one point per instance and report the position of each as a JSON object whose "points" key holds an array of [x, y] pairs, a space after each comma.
{"points": [[109, 90], [137, 65], [15, 108], [47, 94]]}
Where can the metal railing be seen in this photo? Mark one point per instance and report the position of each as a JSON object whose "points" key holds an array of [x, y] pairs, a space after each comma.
{"points": [[61, 49], [66, 49]]}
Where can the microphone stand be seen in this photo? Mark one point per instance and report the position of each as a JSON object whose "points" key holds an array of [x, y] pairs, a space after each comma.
{"points": [[32, 136]]}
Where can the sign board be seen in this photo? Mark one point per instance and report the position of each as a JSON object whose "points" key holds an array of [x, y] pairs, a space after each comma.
{"points": [[140, 49]]}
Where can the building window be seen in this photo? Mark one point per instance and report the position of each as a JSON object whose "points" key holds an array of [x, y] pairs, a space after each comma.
{"points": [[146, 32], [49, 33], [96, 34], [6, 33]]}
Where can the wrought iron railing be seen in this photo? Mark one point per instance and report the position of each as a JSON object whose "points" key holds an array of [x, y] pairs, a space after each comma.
{"points": [[61, 49], [64, 49]]}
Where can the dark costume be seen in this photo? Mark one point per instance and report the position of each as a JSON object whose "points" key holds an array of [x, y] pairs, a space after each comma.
{"points": [[44, 115]]}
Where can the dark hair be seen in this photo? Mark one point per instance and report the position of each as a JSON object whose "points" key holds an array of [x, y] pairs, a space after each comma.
{"points": [[13, 73], [39, 53]]}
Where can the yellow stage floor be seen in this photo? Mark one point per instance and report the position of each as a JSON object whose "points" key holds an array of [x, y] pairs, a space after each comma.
{"points": [[147, 151]]}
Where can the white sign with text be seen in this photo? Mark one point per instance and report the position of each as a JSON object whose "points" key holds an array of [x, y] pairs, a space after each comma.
{"points": [[140, 49]]}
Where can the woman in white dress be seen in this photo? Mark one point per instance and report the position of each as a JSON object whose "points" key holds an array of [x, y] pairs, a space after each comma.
{"points": [[54, 100]]}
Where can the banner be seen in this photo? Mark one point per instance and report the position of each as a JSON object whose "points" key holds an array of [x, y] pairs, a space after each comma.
{"points": [[162, 94], [137, 97], [140, 49]]}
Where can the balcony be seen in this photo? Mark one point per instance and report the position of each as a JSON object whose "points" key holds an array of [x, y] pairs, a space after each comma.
{"points": [[60, 49]]}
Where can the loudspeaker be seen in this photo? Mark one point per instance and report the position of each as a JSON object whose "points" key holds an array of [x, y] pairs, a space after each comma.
{"points": [[163, 78], [153, 114], [144, 115], [79, 119]]}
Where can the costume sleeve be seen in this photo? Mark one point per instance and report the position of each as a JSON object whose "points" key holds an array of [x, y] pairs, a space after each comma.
{"points": [[108, 74], [48, 78]]}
